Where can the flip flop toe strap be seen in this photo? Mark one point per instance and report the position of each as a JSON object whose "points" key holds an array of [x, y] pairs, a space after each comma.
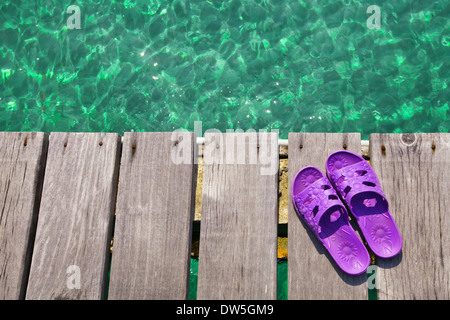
{"points": [[354, 179]]}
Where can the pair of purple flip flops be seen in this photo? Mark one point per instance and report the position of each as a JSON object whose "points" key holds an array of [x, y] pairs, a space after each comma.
{"points": [[319, 201]]}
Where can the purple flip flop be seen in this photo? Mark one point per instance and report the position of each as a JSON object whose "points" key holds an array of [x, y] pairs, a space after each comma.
{"points": [[357, 184], [318, 205]]}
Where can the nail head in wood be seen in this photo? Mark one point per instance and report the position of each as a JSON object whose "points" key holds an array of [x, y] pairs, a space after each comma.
{"points": [[383, 150]]}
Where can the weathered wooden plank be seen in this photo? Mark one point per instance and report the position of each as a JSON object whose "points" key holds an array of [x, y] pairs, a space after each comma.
{"points": [[70, 257], [22, 162], [414, 170], [155, 208], [238, 236], [312, 273]]}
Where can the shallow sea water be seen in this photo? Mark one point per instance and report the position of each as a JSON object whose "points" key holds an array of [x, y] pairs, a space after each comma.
{"points": [[156, 65]]}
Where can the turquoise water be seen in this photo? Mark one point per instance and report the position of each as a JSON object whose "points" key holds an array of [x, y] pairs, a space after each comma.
{"points": [[291, 65]]}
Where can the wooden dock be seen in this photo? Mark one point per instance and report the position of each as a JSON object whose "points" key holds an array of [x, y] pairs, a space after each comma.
{"points": [[65, 196]]}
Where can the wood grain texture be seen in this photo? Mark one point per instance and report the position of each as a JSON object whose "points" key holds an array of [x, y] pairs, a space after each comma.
{"points": [[75, 218], [155, 208], [312, 272], [238, 236], [414, 171], [22, 162]]}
